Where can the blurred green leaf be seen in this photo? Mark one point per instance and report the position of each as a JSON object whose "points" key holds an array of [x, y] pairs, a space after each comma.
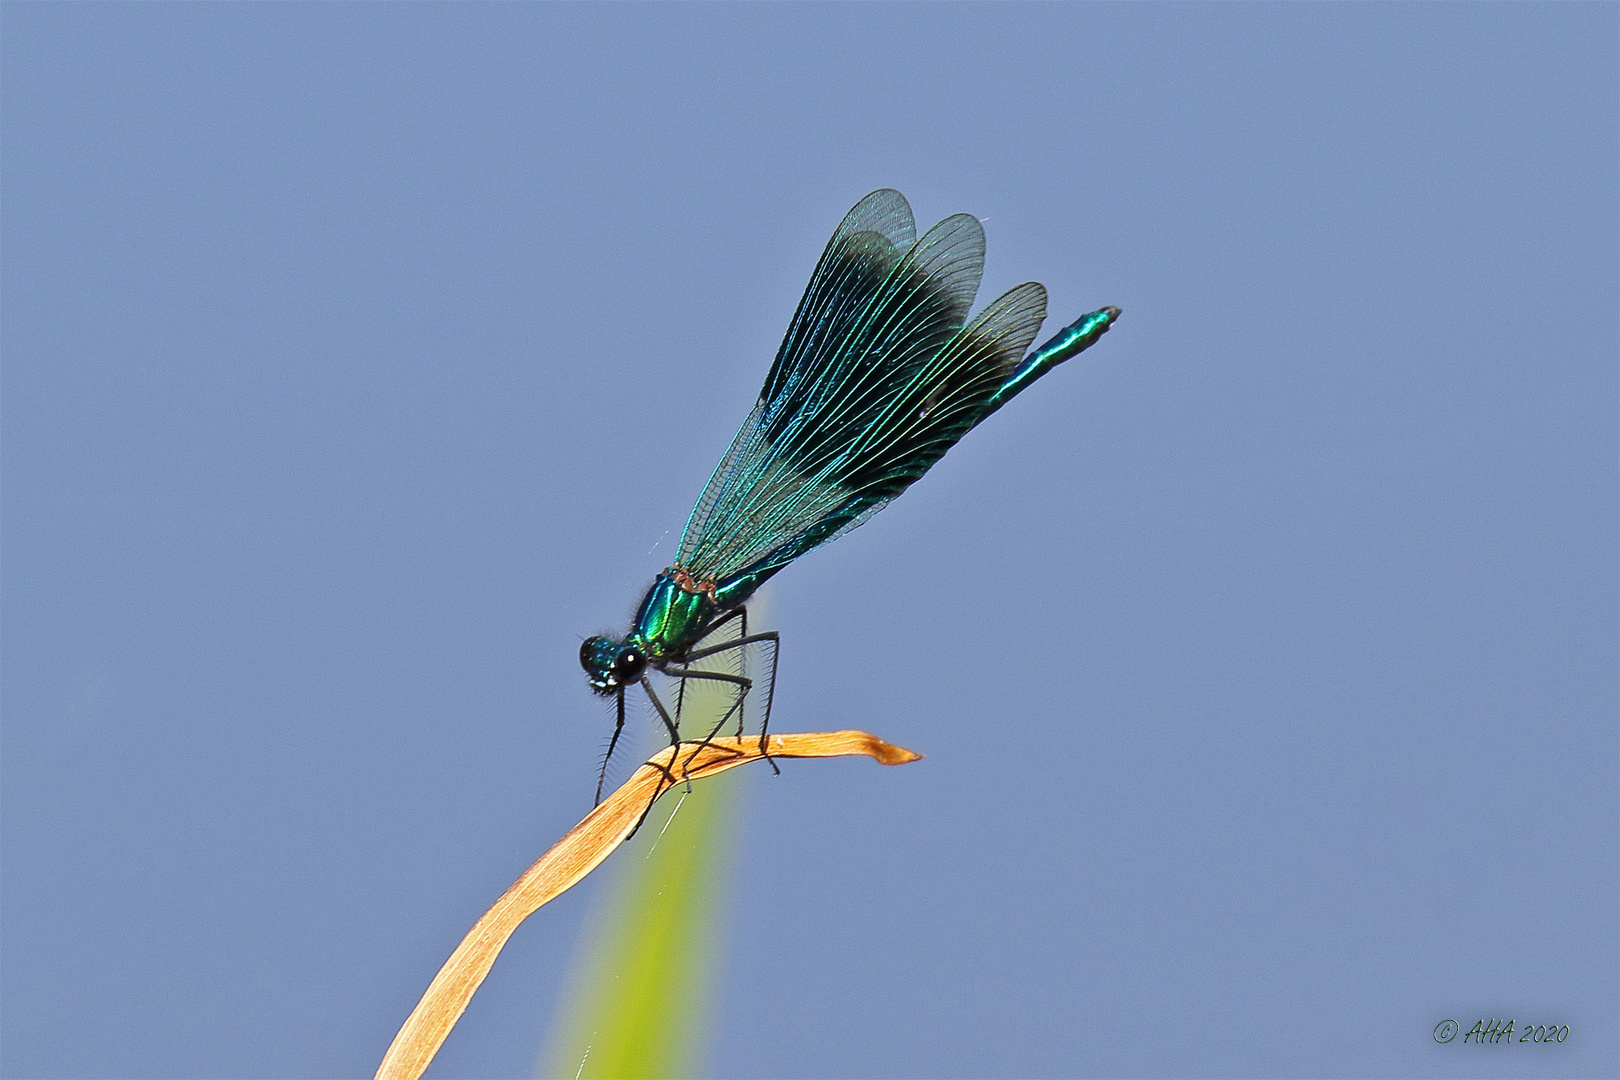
{"points": [[638, 1002]]}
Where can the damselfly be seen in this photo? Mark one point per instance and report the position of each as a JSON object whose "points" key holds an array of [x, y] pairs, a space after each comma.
{"points": [[880, 373]]}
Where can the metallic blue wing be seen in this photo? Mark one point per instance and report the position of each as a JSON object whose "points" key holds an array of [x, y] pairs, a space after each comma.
{"points": [[879, 374]]}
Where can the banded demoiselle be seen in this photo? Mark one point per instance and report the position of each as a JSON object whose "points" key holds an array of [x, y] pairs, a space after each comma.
{"points": [[880, 373]]}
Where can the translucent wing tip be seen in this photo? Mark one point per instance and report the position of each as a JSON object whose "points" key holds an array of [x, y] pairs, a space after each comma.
{"points": [[1010, 322], [886, 212], [950, 259]]}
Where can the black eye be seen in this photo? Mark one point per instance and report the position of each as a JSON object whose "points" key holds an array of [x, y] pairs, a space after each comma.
{"points": [[628, 665], [595, 653]]}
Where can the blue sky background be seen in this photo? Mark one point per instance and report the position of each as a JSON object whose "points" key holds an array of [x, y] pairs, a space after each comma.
{"points": [[357, 357]]}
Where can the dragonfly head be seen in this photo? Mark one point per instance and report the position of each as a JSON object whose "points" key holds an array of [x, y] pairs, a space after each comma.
{"points": [[611, 664]]}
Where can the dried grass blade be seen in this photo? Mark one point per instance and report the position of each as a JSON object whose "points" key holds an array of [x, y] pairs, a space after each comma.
{"points": [[579, 852]]}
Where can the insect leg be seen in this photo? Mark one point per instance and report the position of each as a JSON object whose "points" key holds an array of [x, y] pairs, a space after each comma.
{"points": [[773, 641], [663, 713], [734, 643], [618, 728], [742, 684], [722, 621], [734, 613], [770, 699], [674, 735]]}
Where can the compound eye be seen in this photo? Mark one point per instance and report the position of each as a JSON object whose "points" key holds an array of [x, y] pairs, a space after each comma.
{"points": [[628, 665], [591, 652]]}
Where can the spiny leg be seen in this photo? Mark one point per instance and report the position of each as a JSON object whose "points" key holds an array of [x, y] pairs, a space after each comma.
{"points": [[663, 713], [770, 699], [674, 735], [675, 740], [680, 693], [730, 616], [734, 613], [775, 643], [683, 673], [618, 728], [743, 684], [738, 643]]}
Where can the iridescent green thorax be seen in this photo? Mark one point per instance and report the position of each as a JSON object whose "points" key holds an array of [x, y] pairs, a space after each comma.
{"points": [[674, 614]]}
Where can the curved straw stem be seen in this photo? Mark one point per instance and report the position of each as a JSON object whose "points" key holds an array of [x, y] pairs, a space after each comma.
{"points": [[579, 852]]}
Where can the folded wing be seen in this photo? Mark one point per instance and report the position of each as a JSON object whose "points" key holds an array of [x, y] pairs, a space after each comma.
{"points": [[879, 374]]}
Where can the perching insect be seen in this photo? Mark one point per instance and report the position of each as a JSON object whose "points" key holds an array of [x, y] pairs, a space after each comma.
{"points": [[880, 373]]}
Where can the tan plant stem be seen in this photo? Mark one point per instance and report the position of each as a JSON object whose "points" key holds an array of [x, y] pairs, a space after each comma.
{"points": [[579, 852]]}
